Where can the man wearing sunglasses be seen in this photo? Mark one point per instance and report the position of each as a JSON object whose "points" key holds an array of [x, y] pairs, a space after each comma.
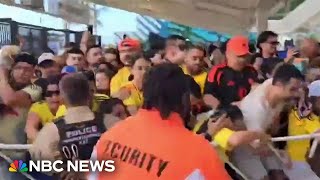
{"points": [[267, 44], [16, 96]]}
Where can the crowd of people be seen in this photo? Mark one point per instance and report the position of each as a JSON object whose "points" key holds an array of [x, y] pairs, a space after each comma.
{"points": [[181, 111]]}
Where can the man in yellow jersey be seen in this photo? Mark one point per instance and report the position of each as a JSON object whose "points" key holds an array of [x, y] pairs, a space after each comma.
{"points": [[127, 48], [299, 125], [193, 64]]}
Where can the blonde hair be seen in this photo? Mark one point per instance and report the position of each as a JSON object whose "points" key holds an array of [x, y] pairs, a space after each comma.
{"points": [[8, 54]]}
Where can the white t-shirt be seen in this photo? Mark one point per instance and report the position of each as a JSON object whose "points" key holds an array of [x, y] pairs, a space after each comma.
{"points": [[258, 115]]}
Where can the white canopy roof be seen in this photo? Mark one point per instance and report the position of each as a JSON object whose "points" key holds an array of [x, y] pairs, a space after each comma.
{"points": [[229, 16]]}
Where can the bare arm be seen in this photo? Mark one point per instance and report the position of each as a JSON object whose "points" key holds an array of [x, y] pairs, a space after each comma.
{"points": [[46, 144], [211, 101], [14, 98], [32, 126], [84, 41], [245, 137], [132, 109]]}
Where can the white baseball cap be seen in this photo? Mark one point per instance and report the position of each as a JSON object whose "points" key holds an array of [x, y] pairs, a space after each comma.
{"points": [[45, 56], [314, 89]]}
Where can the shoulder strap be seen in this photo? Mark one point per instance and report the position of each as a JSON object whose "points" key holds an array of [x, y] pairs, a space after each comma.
{"points": [[99, 120], [60, 123]]}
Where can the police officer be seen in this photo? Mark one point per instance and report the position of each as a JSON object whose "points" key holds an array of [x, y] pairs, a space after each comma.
{"points": [[74, 135]]}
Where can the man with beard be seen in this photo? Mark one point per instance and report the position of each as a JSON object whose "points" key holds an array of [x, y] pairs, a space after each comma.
{"points": [[261, 108], [230, 82], [193, 65], [127, 48], [140, 146], [16, 96], [93, 56]]}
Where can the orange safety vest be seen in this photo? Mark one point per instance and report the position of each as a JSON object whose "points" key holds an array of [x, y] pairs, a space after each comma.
{"points": [[145, 146]]}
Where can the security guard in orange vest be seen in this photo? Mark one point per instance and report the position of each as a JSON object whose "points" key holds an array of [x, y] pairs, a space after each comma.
{"points": [[154, 143]]}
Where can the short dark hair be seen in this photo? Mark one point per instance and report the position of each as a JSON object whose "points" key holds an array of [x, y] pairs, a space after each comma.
{"points": [[115, 52], [89, 75], [264, 36], [107, 105], [135, 57], [75, 51], [92, 47], [223, 46], [198, 47], [47, 64], [176, 37], [109, 66], [165, 88], [27, 58], [211, 48], [111, 51], [107, 72], [232, 111], [75, 88], [54, 79], [283, 73]]}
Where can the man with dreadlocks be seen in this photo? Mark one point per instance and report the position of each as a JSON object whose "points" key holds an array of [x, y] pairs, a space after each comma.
{"points": [[149, 144]]}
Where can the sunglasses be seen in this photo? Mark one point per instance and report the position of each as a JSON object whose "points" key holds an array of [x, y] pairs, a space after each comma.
{"points": [[51, 93], [274, 43]]}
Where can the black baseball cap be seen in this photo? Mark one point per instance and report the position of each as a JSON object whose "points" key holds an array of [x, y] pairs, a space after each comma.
{"points": [[27, 58]]}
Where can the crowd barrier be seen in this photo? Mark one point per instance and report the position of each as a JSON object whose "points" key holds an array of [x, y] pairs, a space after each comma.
{"points": [[26, 147]]}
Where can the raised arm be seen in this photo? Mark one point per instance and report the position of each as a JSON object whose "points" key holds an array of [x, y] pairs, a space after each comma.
{"points": [[32, 126]]}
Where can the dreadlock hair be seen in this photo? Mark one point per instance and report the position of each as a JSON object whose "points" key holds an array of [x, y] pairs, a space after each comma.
{"points": [[165, 89]]}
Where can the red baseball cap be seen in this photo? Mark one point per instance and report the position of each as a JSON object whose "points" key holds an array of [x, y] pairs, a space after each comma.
{"points": [[238, 45], [132, 43]]}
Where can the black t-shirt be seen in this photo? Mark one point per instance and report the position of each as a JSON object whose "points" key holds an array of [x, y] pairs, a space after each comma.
{"points": [[194, 88], [228, 85], [268, 65]]}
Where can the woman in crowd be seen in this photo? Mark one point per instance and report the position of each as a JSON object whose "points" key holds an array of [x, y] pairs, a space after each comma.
{"points": [[131, 92], [45, 111], [103, 78], [111, 56], [102, 87]]}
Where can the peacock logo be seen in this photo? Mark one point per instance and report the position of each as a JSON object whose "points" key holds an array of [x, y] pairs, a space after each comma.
{"points": [[18, 166]]}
